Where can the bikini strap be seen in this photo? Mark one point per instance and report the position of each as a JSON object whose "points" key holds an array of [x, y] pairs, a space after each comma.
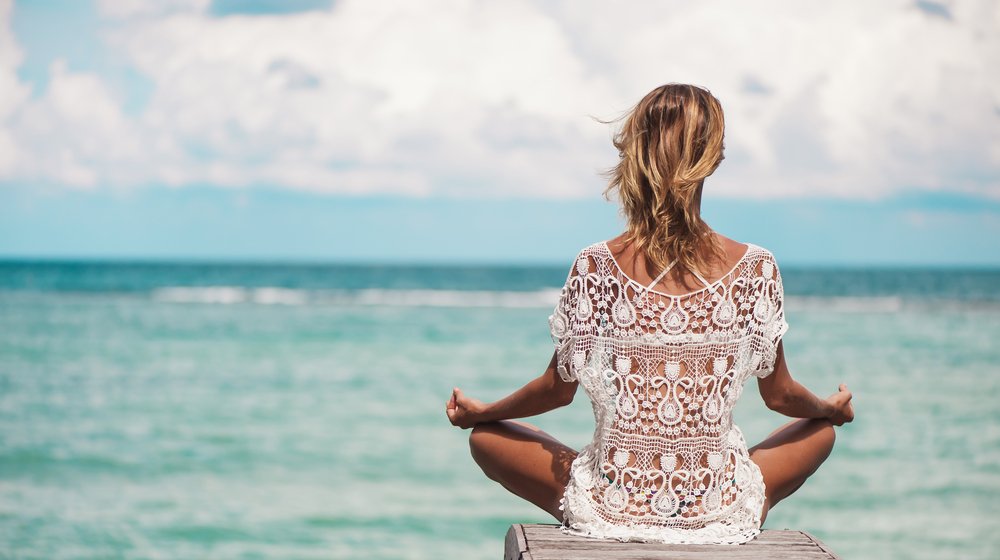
{"points": [[662, 274], [666, 270], [703, 281]]}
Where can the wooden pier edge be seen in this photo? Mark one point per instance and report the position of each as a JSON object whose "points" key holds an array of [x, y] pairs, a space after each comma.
{"points": [[544, 542], [515, 546], [821, 545]]}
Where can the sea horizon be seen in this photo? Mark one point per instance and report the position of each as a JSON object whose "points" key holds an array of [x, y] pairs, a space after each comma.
{"points": [[446, 262]]}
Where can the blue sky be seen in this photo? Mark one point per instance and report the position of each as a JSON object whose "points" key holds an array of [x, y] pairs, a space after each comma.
{"points": [[395, 131]]}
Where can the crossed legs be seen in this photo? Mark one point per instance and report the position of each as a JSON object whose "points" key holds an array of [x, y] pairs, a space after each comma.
{"points": [[525, 460], [535, 466], [789, 455]]}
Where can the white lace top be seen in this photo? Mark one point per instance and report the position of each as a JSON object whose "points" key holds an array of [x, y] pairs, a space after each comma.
{"points": [[663, 373]]}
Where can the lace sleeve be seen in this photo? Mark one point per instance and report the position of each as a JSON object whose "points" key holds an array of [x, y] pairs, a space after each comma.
{"points": [[770, 311], [560, 326]]}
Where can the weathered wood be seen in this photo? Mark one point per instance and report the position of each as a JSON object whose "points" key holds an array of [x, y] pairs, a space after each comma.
{"points": [[515, 546], [548, 542]]}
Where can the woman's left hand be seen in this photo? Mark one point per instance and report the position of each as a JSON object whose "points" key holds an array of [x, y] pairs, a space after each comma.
{"points": [[463, 411]]}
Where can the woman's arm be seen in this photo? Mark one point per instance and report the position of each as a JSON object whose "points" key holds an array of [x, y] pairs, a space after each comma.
{"points": [[542, 394], [783, 394]]}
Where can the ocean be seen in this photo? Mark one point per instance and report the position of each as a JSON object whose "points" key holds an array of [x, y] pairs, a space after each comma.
{"points": [[211, 410]]}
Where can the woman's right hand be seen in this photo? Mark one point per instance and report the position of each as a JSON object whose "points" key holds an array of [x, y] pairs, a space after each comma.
{"points": [[463, 411], [843, 410]]}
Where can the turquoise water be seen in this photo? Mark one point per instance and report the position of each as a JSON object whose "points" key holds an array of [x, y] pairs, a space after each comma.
{"points": [[222, 411]]}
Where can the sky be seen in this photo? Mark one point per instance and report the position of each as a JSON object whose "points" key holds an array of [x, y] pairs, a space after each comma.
{"points": [[857, 133]]}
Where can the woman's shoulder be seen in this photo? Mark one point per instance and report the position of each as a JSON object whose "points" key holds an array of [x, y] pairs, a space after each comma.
{"points": [[760, 252], [586, 261], [595, 247], [737, 251], [586, 255], [750, 250]]}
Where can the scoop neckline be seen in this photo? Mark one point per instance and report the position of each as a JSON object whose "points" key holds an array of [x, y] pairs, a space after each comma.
{"points": [[611, 256]]}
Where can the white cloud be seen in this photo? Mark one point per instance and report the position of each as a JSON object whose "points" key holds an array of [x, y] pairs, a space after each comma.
{"points": [[492, 99], [12, 92], [124, 9], [84, 139]]}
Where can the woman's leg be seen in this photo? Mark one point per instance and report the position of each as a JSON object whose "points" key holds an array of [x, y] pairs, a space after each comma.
{"points": [[789, 455], [525, 460]]}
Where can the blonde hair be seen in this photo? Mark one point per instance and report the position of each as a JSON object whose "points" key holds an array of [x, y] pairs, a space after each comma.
{"points": [[669, 143]]}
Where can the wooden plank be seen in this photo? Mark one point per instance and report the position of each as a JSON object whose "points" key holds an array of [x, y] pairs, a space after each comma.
{"points": [[548, 542], [666, 555], [821, 545], [516, 545]]}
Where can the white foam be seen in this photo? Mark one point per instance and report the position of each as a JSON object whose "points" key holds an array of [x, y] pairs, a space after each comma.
{"points": [[846, 304], [226, 295], [888, 304], [544, 298], [283, 296], [455, 298], [202, 294]]}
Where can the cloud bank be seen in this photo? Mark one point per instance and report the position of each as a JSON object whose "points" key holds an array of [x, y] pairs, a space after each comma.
{"points": [[489, 99]]}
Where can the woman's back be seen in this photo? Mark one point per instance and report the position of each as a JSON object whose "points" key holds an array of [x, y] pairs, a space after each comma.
{"points": [[663, 365], [663, 372]]}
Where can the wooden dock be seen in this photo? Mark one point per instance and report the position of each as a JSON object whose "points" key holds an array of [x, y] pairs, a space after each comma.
{"points": [[547, 542]]}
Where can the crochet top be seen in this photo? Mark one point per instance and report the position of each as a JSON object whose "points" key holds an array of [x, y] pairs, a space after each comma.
{"points": [[663, 373]]}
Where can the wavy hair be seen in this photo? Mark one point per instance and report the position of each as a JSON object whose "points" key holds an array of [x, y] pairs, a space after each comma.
{"points": [[669, 143]]}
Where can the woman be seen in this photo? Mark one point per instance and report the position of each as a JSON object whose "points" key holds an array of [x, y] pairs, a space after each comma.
{"points": [[662, 352]]}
